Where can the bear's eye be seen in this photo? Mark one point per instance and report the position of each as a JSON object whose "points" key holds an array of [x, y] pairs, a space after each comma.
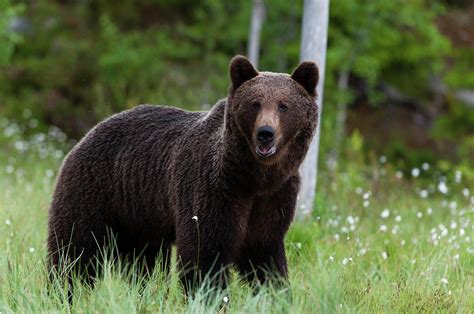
{"points": [[282, 107], [256, 105]]}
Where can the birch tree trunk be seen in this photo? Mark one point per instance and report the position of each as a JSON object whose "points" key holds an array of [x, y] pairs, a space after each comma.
{"points": [[313, 47], [258, 16]]}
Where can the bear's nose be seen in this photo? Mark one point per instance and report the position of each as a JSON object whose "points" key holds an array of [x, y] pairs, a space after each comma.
{"points": [[265, 134]]}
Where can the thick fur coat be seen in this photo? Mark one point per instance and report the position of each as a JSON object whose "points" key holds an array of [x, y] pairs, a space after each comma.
{"points": [[212, 183]]}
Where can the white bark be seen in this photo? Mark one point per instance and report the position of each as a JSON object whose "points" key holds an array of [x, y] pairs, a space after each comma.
{"points": [[313, 47], [258, 15]]}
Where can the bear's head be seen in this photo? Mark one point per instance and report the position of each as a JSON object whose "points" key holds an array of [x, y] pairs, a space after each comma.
{"points": [[272, 109]]}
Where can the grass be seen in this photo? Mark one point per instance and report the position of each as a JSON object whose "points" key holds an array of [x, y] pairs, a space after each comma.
{"points": [[376, 243]]}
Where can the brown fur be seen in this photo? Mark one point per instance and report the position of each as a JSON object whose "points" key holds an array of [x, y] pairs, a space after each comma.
{"points": [[144, 173]]}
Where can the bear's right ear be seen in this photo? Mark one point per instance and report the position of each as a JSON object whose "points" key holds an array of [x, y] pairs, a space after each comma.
{"points": [[241, 70]]}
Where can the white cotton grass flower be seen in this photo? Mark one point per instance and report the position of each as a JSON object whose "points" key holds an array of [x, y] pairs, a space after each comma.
{"points": [[442, 187], [419, 215], [429, 211], [8, 222], [384, 255], [383, 159], [444, 280], [195, 218], [385, 213], [366, 203], [465, 192], [398, 218], [383, 228], [425, 166], [346, 260], [458, 176], [331, 258], [415, 172], [49, 173], [10, 169], [298, 245], [226, 299], [399, 174], [350, 220], [367, 195], [424, 193], [31, 250]]}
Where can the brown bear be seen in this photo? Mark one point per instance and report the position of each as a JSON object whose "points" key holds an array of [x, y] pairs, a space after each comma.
{"points": [[220, 185]]}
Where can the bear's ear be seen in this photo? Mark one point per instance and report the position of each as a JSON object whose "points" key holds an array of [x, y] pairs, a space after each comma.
{"points": [[307, 75], [241, 70]]}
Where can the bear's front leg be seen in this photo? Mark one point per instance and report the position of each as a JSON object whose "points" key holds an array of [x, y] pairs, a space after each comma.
{"points": [[262, 255], [206, 246], [264, 262]]}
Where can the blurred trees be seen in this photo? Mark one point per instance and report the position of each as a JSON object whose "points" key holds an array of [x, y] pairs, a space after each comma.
{"points": [[72, 63]]}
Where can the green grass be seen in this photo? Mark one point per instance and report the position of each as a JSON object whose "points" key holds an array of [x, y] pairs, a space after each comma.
{"points": [[348, 258]]}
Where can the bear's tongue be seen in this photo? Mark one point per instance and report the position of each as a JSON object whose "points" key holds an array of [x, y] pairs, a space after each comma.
{"points": [[264, 150]]}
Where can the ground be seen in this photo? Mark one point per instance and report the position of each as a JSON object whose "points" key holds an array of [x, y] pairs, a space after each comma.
{"points": [[377, 242]]}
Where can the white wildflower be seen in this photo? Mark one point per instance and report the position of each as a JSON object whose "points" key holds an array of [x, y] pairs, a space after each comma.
{"points": [[8, 222], [415, 172], [419, 214], [398, 218], [366, 195], [10, 169], [425, 166], [31, 250], [350, 220], [424, 193], [383, 228], [225, 299], [195, 218], [458, 176], [384, 255], [429, 211], [385, 213], [444, 280], [442, 187]]}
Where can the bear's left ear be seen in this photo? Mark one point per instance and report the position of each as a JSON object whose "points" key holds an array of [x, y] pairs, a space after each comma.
{"points": [[307, 75], [241, 70]]}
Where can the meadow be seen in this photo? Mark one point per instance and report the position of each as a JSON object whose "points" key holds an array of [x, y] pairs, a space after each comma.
{"points": [[380, 240]]}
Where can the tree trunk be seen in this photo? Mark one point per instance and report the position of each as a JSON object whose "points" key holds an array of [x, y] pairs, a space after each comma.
{"points": [[313, 47], [342, 84], [258, 15]]}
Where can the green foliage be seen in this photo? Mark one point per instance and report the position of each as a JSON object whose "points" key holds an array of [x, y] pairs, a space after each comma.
{"points": [[8, 38], [82, 61]]}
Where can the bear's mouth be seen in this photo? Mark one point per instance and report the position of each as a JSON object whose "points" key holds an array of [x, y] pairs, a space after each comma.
{"points": [[265, 151]]}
